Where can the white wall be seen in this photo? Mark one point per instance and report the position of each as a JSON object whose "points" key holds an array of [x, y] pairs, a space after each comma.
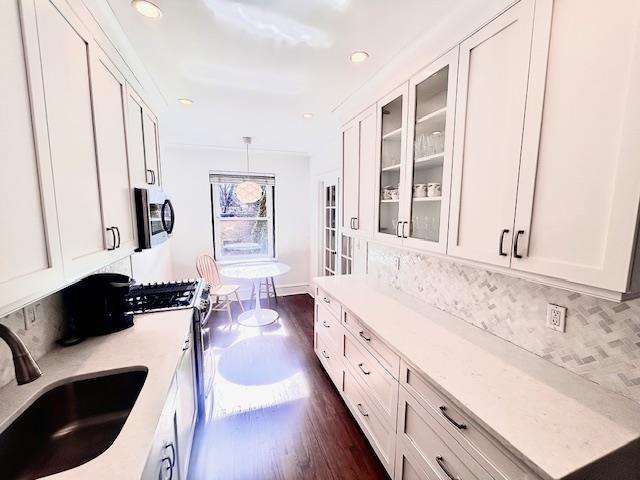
{"points": [[324, 165], [186, 178]]}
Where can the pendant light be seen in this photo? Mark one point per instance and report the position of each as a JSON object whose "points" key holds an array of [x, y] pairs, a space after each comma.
{"points": [[248, 192]]}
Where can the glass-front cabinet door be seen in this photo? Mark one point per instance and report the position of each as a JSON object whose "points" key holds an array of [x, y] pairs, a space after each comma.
{"points": [[390, 191], [429, 153]]}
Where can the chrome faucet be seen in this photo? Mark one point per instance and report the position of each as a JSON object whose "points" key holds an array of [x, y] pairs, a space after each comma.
{"points": [[27, 370]]}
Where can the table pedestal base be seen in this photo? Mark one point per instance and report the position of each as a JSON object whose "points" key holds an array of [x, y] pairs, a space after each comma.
{"points": [[258, 317]]}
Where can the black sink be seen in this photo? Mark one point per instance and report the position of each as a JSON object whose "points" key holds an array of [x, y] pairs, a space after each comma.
{"points": [[68, 425]]}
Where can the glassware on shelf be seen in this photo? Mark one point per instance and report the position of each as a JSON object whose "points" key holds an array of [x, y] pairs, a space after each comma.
{"points": [[435, 143]]}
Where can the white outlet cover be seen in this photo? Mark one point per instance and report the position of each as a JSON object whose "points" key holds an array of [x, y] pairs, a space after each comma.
{"points": [[556, 317]]}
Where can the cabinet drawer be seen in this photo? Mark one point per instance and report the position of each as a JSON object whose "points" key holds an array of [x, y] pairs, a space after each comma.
{"points": [[410, 465], [328, 301], [329, 356], [380, 435], [382, 387], [387, 357], [431, 441], [477, 441], [327, 321]]}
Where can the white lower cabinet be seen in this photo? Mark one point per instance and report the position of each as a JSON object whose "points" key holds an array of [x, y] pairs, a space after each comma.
{"points": [[186, 406], [434, 445], [375, 425], [171, 449], [417, 431], [162, 462]]}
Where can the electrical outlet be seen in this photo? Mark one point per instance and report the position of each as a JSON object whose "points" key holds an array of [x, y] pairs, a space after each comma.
{"points": [[396, 263], [556, 317], [29, 314]]}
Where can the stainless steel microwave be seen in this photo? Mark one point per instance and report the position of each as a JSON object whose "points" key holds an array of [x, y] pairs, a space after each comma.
{"points": [[155, 217]]}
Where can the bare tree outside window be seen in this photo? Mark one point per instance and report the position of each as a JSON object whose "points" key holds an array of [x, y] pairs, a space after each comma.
{"points": [[242, 230]]}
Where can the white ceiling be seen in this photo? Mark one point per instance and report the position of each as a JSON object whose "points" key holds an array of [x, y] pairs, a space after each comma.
{"points": [[253, 67]]}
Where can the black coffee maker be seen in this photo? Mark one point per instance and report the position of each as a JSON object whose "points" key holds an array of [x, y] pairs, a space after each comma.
{"points": [[97, 305]]}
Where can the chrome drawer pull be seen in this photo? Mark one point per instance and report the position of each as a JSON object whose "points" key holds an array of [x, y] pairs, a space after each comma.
{"points": [[440, 461], [460, 426], [324, 322], [366, 337], [324, 354], [366, 372], [361, 410]]}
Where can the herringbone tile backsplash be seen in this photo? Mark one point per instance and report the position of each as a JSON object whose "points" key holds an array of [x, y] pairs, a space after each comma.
{"points": [[602, 339]]}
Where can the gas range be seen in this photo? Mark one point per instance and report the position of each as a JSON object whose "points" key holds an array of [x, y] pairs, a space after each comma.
{"points": [[160, 296]]}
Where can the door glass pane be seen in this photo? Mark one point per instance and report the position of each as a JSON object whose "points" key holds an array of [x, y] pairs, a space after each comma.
{"points": [[428, 156], [390, 158]]}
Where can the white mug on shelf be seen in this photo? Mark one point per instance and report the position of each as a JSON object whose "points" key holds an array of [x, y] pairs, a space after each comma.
{"points": [[420, 190], [434, 189]]}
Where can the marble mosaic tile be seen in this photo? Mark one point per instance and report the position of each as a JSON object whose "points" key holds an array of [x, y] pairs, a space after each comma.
{"points": [[602, 338], [41, 336]]}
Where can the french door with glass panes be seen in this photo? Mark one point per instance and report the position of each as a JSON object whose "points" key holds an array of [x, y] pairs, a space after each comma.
{"points": [[330, 230], [432, 94]]}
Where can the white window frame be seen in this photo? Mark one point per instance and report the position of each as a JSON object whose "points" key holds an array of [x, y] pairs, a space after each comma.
{"points": [[217, 178]]}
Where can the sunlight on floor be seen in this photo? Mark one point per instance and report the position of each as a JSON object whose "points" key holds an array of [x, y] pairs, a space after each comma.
{"points": [[255, 369]]}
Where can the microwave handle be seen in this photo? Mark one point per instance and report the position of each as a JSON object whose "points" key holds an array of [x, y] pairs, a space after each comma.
{"points": [[167, 204]]}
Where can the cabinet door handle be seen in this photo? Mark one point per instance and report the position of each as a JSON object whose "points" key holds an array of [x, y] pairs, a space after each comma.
{"points": [[404, 224], [113, 237], [515, 244], [119, 239], [366, 337], [361, 410], [398, 224], [153, 177], [149, 175], [167, 472], [171, 447], [441, 464], [355, 223], [460, 426], [185, 347], [324, 322], [363, 370], [326, 300], [324, 354], [501, 243]]}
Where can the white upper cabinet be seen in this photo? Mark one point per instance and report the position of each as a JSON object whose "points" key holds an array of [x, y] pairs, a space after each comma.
{"points": [[109, 100], [432, 94], [391, 149], [492, 93], [65, 52], [350, 177], [578, 204], [29, 242], [151, 150], [144, 153], [358, 139]]}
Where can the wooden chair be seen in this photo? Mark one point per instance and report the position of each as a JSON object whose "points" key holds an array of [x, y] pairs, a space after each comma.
{"points": [[207, 269]]}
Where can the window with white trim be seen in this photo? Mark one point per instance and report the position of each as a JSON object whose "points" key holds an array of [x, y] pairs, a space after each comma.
{"points": [[242, 231]]}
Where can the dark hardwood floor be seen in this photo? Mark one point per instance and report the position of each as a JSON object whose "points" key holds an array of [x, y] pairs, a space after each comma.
{"points": [[277, 415]]}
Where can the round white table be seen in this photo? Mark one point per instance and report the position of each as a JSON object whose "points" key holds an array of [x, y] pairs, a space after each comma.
{"points": [[258, 316]]}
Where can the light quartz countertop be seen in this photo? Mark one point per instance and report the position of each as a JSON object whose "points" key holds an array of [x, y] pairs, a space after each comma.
{"points": [[555, 421], [154, 342]]}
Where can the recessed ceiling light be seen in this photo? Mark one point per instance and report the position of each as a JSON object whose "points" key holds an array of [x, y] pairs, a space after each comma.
{"points": [[185, 101], [147, 8], [307, 115], [359, 56]]}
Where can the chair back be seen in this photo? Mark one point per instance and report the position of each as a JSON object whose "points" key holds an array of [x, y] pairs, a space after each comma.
{"points": [[207, 269]]}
